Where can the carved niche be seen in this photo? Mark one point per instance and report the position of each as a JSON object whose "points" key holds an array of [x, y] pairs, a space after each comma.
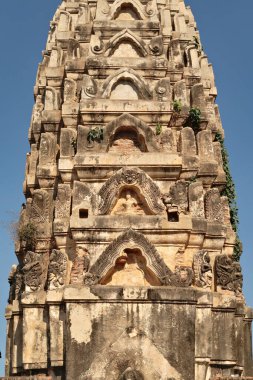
{"points": [[35, 271], [228, 274], [126, 43], [133, 253], [213, 206], [127, 141], [138, 135], [202, 270], [130, 269], [129, 203], [134, 180], [117, 253], [126, 75], [57, 269], [133, 10]]}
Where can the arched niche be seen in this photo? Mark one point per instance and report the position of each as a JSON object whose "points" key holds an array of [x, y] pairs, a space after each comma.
{"points": [[131, 10], [124, 89], [132, 249], [126, 12], [130, 202], [130, 269], [125, 48], [134, 46], [140, 133], [126, 75], [135, 180], [127, 140]]}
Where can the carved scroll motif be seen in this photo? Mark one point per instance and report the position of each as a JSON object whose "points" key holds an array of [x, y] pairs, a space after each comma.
{"points": [[213, 206], [89, 87], [156, 45], [202, 270], [34, 270], [40, 207], [57, 269], [130, 177], [228, 274]]}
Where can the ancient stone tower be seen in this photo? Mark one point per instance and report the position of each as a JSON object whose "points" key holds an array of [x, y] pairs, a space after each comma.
{"points": [[125, 243]]}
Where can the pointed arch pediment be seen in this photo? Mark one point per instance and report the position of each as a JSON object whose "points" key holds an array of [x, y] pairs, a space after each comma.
{"points": [[124, 35], [130, 239], [135, 4], [142, 129], [130, 178], [128, 75]]}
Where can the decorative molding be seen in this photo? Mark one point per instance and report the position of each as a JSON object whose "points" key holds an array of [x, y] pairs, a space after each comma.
{"points": [[130, 178]]}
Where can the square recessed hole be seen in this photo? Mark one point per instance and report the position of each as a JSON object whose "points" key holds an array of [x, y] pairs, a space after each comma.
{"points": [[173, 216], [83, 213]]}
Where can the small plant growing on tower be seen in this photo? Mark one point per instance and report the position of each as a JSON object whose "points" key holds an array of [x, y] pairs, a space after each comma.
{"points": [[74, 144], [158, 129], [177, 106], [95, 134], [193, 119], [230, 192], [27, 234]]}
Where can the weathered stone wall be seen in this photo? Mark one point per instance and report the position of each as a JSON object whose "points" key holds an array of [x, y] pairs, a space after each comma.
{"points": [[125, 243]]}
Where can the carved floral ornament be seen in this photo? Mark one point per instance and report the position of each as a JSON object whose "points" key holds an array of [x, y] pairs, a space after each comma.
{"points": [[130, 178]]}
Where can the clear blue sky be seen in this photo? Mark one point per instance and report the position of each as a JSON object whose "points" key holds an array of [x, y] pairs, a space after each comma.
{"points": [[226, 34]]}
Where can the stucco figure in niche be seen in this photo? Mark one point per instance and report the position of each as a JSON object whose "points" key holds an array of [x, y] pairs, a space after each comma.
{"points": [[127, 141], [130, 269], [128, 204]]}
